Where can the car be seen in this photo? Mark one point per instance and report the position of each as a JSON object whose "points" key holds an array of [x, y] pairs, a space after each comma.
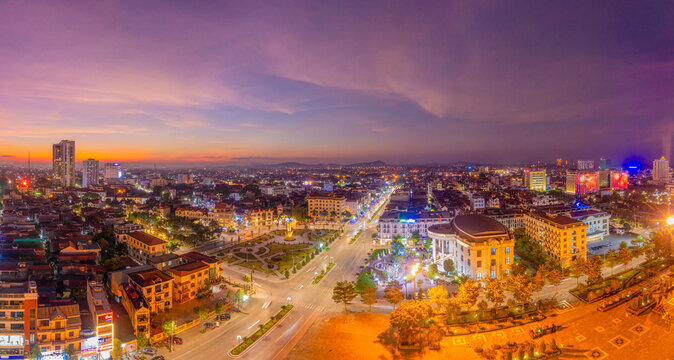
{"points": [[178, 340], [159, 357], [148, 351]]}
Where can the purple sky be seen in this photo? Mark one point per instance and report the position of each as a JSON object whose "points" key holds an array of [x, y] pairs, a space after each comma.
{"points": [[405, 82]]}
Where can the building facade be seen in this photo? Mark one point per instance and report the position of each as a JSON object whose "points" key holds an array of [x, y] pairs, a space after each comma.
{"points": [[18, 316], [536, 180], [155, 287], [142, 245], [58, 327], [90, 173], [661, 170], [63, 163], [326, 206], [564, 238], [479, 246], [405, 224], [103, 320]]}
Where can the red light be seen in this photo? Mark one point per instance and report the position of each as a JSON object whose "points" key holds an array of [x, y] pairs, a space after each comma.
{"points": [[107, 317]]}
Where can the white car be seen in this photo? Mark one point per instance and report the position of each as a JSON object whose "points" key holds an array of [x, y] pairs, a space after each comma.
{"points": [[148, 351]]}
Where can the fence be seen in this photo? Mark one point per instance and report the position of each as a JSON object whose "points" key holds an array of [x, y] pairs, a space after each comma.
{"points": [[156, 338]]}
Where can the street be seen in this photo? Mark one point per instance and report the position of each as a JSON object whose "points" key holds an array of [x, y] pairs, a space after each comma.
{"points": [[271, 293]]}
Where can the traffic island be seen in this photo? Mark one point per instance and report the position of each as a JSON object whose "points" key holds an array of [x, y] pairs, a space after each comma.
{"points": [[356, 237], [250, 340], [320, 276]]}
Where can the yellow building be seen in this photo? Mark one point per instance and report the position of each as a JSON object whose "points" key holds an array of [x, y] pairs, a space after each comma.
{"points": [[479, 246], [213, 263], [562, 237], [326, 206], [188, 279], [260, 217], [155, 287], [142, 245], [137, 308], [536, 180], [224, 213], [58, 327]]}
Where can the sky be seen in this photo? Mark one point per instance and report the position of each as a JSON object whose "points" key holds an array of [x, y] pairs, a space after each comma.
{"points": [[407, 82]]}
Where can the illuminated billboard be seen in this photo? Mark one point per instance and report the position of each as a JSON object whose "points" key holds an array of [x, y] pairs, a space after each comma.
{"points": [[587, 183], [11, 340], [619, 180]]}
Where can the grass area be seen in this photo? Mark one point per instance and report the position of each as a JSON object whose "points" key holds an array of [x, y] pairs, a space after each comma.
{"points": [[250, 340], [606, 286], [285, 261], [377, 252], [655, 264], [320, 276], [356, 237], [254, 265], [275, 248], [228, 259]]}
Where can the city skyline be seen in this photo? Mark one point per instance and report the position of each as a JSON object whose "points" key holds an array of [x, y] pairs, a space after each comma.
{"points": [[237, 83]]}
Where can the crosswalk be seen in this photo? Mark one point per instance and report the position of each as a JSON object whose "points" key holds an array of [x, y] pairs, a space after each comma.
{"points": [[314, 307]]}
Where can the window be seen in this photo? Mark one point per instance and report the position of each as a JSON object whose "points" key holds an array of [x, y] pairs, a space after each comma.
{"points": [[479, 264], [479, 275], [507, 250], [507, 260], [493, 251], [507, 272], [493, 274], [479, 253], [493, 262]]}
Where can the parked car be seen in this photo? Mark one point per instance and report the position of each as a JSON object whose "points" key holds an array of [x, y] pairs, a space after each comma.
{"points": [[159, 357], [148, 351], [177, 340], [225, 316]]}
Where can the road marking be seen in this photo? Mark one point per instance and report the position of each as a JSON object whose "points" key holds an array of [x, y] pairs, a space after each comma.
{"points": [[255, 323]]}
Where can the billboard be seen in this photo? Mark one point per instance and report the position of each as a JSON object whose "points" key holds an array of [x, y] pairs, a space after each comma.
{"points": [[587, 183], [619, 180], [11, 340]]}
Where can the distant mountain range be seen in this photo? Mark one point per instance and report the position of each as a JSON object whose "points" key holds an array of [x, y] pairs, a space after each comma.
{"points": [[302, 165]]}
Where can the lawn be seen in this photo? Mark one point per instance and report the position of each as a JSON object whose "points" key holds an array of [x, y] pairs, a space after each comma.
{"points": [[606, 286], [376, 252], [275, 248], [285, 260], [254, 265]]}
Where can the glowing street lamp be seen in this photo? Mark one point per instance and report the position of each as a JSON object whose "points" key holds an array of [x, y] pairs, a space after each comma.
{"points": [[670, 220]]}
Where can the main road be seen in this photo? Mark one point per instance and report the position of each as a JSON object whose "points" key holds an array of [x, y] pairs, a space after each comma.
{"points": [[271, 293]]}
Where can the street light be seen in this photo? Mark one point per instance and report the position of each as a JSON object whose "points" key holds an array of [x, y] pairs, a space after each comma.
{"points": [[670, 220]]}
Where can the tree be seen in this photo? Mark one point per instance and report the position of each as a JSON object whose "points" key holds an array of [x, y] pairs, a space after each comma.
{"points": [[35, 352], [482, 306], [522, 287], [219, 308], [117, 351], [223, 189], [409, 317], [494, 291], [593, 269], [578, 267], [201, 312], [437, 296], [247, 278], [168, 327], [141, 340], [448, 265], [539, 280], [344, 292], [70, 353], [468, 293], [624, 255], [555, 277], [365, 281], [393, 293], [611, 259], [432, 271], [369, 296]]}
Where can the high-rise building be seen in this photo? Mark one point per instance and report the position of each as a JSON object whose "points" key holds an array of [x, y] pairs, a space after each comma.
{"points": [[604, 164], [113, 171], [536, 180], [89, 173], [559, 162], [564, 238], [585, 164], [661, 169], [582, 183], [18, 303], [63, 163]]}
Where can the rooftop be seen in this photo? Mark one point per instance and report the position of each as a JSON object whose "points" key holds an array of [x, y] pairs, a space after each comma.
{"points": [[188, 268], [149, 277], [476, 225], [146, 238], [560, 220]]}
